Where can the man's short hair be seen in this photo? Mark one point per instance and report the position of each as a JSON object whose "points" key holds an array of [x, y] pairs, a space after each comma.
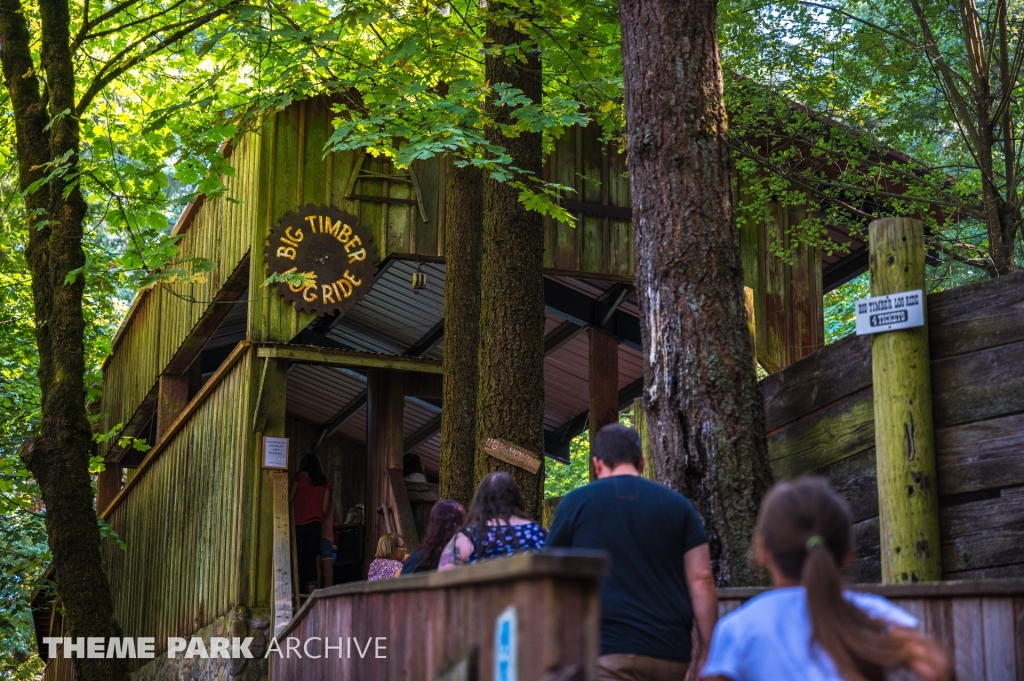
{"points": [[616, 444]]}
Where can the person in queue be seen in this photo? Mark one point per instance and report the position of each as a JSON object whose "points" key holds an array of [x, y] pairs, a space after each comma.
{"points": [[496, 525], [390, 554], [446, 517], [310, 495], [808, 627], [660, 582]]}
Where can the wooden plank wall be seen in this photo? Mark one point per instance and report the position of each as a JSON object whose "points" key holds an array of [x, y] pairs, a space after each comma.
{"points": [[295, 172], [979, 624], [165, 316], [789, 321], [556, 601], [819, 415], [597, 172], [183, 521]]}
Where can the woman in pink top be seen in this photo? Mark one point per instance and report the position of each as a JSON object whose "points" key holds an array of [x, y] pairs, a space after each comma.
{"points": [[390, 554]]}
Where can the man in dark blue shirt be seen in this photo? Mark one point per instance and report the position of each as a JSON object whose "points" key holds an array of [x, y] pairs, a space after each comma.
{"points": [[660, 580]]}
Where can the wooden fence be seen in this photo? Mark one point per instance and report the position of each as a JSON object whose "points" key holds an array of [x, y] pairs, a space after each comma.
{"points": [[433, 622], [979, 623], [820, 418]]}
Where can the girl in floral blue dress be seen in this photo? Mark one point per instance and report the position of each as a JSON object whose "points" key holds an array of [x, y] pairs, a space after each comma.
{"points": [[496, 525]]}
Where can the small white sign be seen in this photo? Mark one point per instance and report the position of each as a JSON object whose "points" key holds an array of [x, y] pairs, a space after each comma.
{"points": [[890, 313], [275, 452], [506, 645]]}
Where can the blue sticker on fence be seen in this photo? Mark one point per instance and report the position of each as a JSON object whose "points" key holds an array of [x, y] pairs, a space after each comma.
{"points": [[506, 645]]}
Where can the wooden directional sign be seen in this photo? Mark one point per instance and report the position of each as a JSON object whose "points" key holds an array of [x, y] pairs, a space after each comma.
{"points": [[510, 453], [332, 249]]}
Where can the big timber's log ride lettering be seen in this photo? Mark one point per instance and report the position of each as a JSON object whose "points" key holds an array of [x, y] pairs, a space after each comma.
{"points": [[331, 249]]}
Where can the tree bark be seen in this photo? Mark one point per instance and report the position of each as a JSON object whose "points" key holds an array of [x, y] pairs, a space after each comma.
{"points": [[58, 456], [463, 237], [704, 405], [510, 402]]}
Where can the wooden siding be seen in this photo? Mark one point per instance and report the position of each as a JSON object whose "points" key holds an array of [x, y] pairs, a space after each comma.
{"points": [[162, 318], [597, 173], [820, 418], [182, 517], [432, 620], [295, 172], [979, 624]]}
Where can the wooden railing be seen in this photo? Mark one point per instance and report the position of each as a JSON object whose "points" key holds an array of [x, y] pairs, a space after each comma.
{"points": [[979, 623], [442, 625]]}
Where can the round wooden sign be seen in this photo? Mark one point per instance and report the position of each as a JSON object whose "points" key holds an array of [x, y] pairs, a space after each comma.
{"points": [[332, 249]]}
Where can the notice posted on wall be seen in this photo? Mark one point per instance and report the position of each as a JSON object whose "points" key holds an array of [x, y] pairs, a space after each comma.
{"points": [[275, 452], [890, 313]]}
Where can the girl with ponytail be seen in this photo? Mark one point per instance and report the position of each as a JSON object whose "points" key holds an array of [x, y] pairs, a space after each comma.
{"points": [[808, 627]]}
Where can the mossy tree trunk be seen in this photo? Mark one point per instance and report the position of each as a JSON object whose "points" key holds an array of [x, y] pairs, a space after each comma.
{"points": [[704, 406], [510, 402], [463, 238], [58, 456]]}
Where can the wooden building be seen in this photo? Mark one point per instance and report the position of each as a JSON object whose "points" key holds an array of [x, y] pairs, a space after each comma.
{"points": [[205, 371]]}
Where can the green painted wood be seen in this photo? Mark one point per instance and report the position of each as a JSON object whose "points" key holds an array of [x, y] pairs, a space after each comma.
{"points": [[904, 438], [314, 166]]}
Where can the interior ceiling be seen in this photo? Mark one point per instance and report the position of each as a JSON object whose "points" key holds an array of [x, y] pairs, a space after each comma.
{"points": [[393, 318]]}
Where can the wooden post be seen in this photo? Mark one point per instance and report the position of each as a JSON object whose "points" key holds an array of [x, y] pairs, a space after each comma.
{"points": [[904, 438], [385, 401], [604, 383], [283, 590], [172, 398], [108, 484]]}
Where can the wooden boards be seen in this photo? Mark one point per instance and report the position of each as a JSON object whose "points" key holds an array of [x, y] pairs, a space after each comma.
{"points": [[819, 415]]}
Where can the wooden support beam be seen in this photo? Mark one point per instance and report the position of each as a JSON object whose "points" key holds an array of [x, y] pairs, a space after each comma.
{"points": [[108, 484], [908, 495], [604, 383], [384, 447], [172, 398], [282, 551], [348, 358], [427, 342], [422, 434]]}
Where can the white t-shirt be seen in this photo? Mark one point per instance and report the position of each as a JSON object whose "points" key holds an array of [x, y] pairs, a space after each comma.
{"points": [[769, 637]]}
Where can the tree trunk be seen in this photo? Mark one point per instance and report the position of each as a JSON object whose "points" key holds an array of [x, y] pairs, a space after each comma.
{"points": [[510, 403], [464, 218], [704, 406], [58, 456]]}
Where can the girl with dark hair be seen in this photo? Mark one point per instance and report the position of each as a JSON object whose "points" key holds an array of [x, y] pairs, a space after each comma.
{"points": [[808, 627], [310, 495], [446, 518], [496, 525]]}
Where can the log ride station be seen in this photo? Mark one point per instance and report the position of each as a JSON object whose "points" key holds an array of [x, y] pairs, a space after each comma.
{"points": [[346, 363]]}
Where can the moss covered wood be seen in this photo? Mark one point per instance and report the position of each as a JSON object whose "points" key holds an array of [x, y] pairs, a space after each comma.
{"points": [[701, 391], [183, 518], [908, 495], [510, 401], [463, 239]]}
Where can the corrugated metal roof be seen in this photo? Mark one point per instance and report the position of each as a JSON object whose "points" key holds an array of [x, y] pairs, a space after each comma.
{"points": [[392, 318]]}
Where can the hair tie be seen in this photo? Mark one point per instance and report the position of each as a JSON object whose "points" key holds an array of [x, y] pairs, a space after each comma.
{"points": [[815, 540]]}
